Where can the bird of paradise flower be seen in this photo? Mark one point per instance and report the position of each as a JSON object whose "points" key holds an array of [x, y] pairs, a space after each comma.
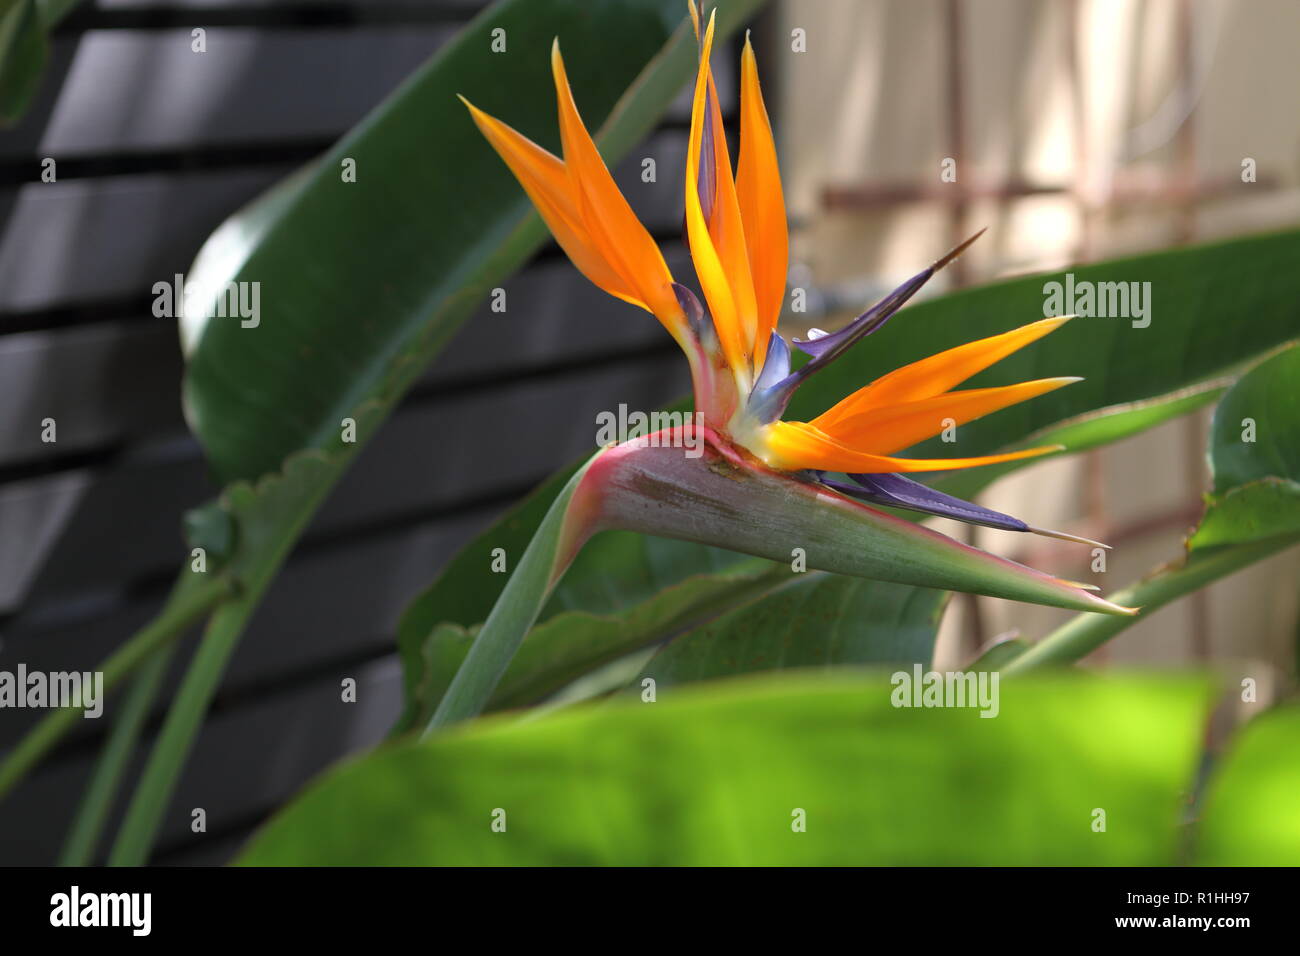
{"points": [[765, 482]]}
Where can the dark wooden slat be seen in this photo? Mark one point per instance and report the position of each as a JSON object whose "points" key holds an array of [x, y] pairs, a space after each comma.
{"points": [[120, 381], [246, 760], [140, 91], [102, 385], [105, 239], [124, 525], [328, 605], [78, 241]]}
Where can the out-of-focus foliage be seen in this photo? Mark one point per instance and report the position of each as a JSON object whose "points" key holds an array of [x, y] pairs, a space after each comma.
{"points": [[1255, 455], [787, 771], [1251, 814]]}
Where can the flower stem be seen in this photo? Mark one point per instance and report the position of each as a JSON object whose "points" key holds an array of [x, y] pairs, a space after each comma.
{"points": [[545, 559], [1086, 632], [82, 839], [191, 599]]}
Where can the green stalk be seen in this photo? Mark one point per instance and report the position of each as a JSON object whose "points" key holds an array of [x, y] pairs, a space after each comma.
{"points": [[1084, 634], [84, 836], [193, 596], [544, 560], [269, 548], [144, 815]]}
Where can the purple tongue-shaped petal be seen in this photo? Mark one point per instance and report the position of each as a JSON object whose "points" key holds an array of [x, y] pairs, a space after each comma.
{"points": [[708, 178], [825, 348], [767, 399], [896, 491], [776, 363], [769, 404], [690, 305], [863, 325]]}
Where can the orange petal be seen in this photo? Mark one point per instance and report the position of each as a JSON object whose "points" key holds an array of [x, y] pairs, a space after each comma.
{"points": [[546, 182], [695, 18], [762, 205], [711, 264], [888, 429], [614, 228], [938, 373], [726, 228], [792, 446]]}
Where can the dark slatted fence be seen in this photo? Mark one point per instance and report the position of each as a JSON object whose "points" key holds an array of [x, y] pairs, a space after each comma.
{"points": [[155, 146]]}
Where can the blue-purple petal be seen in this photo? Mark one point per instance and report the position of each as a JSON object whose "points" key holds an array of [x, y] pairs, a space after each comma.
{"points": [[896, 491], [768, 397], [708, 179], [828, 346], [696, 317], [825, 348]]}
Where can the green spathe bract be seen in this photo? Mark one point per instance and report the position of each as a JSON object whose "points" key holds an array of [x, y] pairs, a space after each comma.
{"points": [[724, 498]]}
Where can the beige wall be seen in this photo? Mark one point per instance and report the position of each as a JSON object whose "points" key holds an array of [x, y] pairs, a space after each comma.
{"points": [[1087, 97]]}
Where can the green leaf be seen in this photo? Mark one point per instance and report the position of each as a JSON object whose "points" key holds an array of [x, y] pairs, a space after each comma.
{"points": [[1251, 815], [571, 643], [999, 654], [1264, 509], [494, 647], [613, 582], [717, 775], [362, 282], [1242, 523], [810, 620], [1255, 456], [23, 49], [1091, 429], [1214, 306], [1256, 429]]}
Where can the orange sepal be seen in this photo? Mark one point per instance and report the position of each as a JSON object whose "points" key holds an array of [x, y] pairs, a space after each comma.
{"points": [[794, 446], [762, 206], [887, 429], [938, 373]]}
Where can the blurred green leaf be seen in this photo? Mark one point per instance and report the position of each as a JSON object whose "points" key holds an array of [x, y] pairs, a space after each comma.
{"points": [[999, 654], [1251, 813], [719, 774], [23, 49]]}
